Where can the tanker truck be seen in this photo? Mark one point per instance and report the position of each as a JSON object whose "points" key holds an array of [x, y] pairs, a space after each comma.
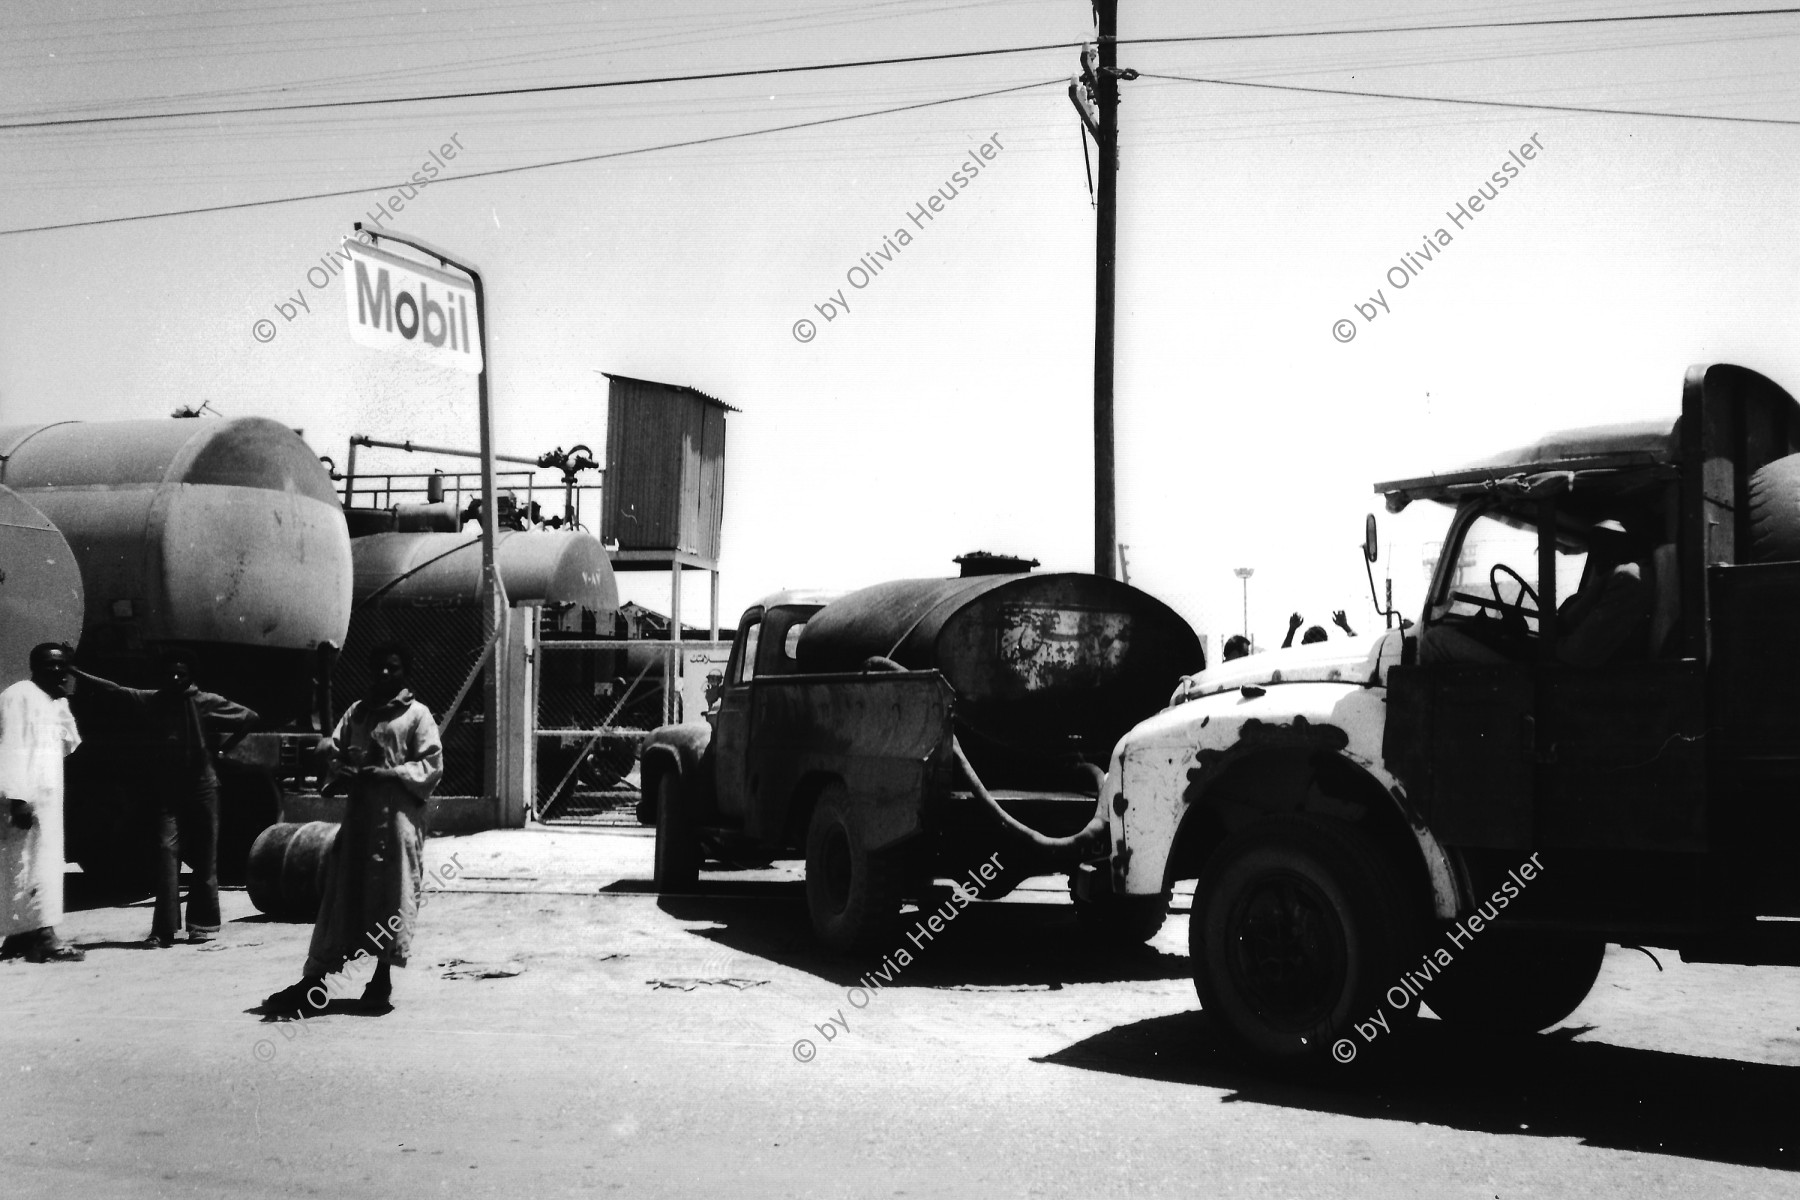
{"points": [[220, 538], [1465, 810], [917, 730]]}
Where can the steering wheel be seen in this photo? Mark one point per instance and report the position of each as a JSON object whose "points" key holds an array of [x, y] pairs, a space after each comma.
{"points": [[1514, 613]]}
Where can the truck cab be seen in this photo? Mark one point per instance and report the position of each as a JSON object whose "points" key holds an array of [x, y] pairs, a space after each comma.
{"points": [[1591, 734]]}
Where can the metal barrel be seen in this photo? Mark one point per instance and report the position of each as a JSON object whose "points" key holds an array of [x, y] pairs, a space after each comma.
{"points": [[287, 869]]}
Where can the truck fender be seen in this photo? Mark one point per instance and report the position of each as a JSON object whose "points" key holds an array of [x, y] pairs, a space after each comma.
{"points": [[1202, 827], [683, 750], [1181, 780]]}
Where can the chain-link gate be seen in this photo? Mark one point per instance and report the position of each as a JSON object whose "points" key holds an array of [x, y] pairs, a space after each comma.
{"points": [[446, 642], [595, 702]]}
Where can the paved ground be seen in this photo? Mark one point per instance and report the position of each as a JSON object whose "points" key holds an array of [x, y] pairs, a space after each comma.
{"points": [[562, 1032]]}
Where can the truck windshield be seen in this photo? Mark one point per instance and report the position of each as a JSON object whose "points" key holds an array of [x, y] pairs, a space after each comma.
{"points": [[1493, 558]]}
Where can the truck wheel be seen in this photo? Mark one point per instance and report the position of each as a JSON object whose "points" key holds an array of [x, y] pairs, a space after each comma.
{"points": [[1127, 919], [1298, 930], [1517, 982], [677, 842], [852, 892]]}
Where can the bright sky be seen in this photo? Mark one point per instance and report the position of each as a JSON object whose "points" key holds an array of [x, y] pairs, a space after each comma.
{"points": [[950, 408]]}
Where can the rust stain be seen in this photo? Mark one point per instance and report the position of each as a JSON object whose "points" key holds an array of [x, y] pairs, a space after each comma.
{"points": [[1255, 735]]}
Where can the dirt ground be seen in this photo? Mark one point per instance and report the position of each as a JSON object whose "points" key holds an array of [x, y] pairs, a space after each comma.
{"points": [[562, 1031]]}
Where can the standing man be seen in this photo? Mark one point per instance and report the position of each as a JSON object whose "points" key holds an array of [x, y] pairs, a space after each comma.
{"points": [[178, 719], [388, 746], [37, 731]]}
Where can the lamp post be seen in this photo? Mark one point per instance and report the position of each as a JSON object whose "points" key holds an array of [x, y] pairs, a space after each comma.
{"points": [[1244, 573]]}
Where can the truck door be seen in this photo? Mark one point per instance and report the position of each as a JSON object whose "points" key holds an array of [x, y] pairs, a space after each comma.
{"points": [[1461, 737], [1462, 728], [731, 721]]}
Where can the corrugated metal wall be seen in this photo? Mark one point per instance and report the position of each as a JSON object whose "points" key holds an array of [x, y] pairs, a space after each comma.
{"points": [[665, 468]]}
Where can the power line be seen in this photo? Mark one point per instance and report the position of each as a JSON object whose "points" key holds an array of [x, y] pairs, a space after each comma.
{"points": [[1567, 108], [560, 162], [546, 89]]}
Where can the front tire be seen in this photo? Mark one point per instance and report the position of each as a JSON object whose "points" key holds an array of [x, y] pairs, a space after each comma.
{"points": [[1299, 929], [1517, 982], [852, 892], [677, 841]]}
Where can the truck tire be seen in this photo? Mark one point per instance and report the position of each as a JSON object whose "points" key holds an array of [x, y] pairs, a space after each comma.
{"points": [[677, 842], [1517, 982], [1774, 496], [1128, 919], [852, 892], [1298, 930]]}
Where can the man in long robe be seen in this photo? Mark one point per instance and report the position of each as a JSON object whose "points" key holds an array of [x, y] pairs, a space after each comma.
{"points": [[387, 745], [37, 731]]}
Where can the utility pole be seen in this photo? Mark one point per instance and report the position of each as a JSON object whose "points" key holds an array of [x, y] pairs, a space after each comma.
{"points": [[1105, 90], [1095, 94]]}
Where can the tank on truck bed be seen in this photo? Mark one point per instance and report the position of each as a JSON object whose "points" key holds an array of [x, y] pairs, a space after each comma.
{"points": [[906, 731]]}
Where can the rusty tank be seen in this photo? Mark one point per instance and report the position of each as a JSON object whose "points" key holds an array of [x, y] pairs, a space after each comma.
{"points": [[1048, 669]]}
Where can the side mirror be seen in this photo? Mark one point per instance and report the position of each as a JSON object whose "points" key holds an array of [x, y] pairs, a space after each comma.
{"points": [[1371, 545]]}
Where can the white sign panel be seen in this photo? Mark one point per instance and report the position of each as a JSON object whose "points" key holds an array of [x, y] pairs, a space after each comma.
{"points": [[394, 303]]}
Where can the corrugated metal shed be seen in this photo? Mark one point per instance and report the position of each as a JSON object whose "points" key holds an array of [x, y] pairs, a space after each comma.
{"points": [[665, 468]]}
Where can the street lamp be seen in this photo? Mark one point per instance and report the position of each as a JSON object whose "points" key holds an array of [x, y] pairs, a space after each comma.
{"points": [[1244, 573]]}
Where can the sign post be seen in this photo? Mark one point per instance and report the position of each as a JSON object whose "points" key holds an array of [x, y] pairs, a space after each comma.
{"points": [[397, 304]]}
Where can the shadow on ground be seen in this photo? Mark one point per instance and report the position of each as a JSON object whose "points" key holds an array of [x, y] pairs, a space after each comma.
{"points": [[1548, 1085], [1014, 945], [338, 1006]]}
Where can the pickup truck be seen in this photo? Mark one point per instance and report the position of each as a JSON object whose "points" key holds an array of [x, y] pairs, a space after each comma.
{"points": [[911, 731], [1465, 810]]}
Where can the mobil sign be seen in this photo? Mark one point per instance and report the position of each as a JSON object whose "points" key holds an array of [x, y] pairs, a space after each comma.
{"points": [[394, 303]]}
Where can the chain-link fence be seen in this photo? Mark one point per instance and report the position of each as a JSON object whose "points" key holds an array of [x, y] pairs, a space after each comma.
{"points": [[445, 641], [596, 699]]}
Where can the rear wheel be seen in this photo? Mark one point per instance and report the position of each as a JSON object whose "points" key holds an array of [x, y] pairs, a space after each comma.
{"points": [[852, 892], [1298, 930], [1517, 982], [677, 841]]}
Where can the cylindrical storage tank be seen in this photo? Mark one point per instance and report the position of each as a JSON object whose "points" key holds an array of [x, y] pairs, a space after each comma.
{"points": [[224, 537], [287, 869], [1048, 669], [538, 567], [40, 586]]}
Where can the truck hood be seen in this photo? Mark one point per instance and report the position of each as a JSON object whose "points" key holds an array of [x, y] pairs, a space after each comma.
{"points": [[1350, 660]]}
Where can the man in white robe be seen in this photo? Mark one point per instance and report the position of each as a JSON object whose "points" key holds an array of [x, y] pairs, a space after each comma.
{"points": [[37, 731]]}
